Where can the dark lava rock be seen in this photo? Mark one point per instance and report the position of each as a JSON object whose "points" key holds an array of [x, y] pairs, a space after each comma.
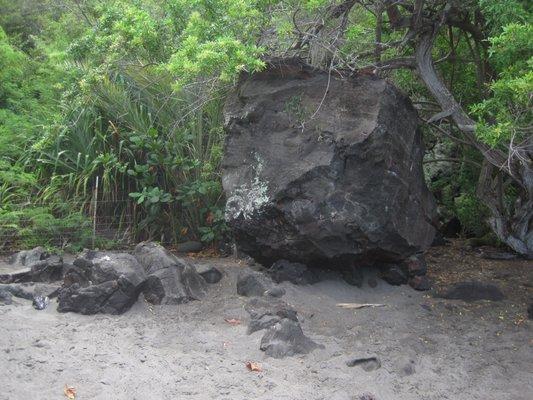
{"points": [[275, 292], [251, 284], [472, 291], [296, 273], [5, 297], [34, 265], [28, 257], [47, 270], [394, 274], [29, 290], [99, 282], [190, 247], [368, 364], [265, 312], [324, 179], [415, 265], [19, 274], [420, 283], [170, 280], [209, 273], [286, 338]]}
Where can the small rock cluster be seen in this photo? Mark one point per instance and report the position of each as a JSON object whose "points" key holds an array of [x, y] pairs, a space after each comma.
{"points": [[105, 282], [284, 335], [412, 271]]}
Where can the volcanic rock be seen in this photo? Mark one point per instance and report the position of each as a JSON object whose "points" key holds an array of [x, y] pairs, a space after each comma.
{"points": [[296, 273], [286, 338], [251, 283], [170, 280], [100, 282], [265, 312], [319, 169], [209, 273]]}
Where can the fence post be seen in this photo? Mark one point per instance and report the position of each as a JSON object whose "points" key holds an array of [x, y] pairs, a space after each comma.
{"points": [[95, 206]]}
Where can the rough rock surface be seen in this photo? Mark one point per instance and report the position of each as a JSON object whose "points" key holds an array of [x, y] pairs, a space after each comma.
{"points": [[251, 283], [296, 273], [34, 265], [29, 290], [394, 274], [28, 257], [318, 169], [210, 273], [5, 296], [266, 312], [286, 338], [170, 280], [100, 282]]}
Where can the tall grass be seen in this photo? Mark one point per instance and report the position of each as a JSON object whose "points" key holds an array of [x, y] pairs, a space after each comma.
{"points": [[155, 152]]}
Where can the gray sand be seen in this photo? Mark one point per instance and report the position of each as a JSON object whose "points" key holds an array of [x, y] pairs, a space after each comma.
{"points": [[428, 348]]}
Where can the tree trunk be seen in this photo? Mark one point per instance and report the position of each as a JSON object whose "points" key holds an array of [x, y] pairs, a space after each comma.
{"points": [[512, 225]]}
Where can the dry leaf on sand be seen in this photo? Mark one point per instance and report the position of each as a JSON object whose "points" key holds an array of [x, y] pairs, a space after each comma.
{"points": [[252, 366], [70, 392]]}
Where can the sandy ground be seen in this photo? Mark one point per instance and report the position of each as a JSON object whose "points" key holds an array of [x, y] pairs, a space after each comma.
{"points": [[429, 348]]}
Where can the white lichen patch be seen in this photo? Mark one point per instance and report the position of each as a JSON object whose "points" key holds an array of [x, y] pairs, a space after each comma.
{"points": [[249, 197]]}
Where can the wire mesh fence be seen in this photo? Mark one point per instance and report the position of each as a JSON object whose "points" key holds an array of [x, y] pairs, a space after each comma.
{"points": [[107, 224]]}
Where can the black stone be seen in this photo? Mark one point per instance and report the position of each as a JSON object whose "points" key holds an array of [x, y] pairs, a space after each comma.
{"points": [[29, 290], [28, 257], [368, 364], [472, 291], [415, 265], [170, 280], [209, 273], [251, 284], [286, 338], [47, 270], [101, 283], [421, 283], [393, 274], [296, 273], [319, 190], [265, 312]]}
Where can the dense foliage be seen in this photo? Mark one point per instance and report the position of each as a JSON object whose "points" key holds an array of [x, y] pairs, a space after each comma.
{"points": [[129, 93]]}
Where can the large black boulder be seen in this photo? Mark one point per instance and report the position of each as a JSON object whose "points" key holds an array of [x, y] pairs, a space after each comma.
{"points": [[99, 282], [324, 170]]}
